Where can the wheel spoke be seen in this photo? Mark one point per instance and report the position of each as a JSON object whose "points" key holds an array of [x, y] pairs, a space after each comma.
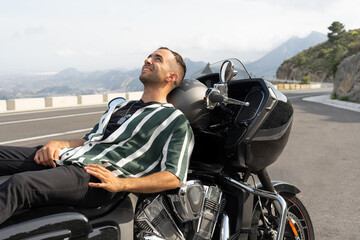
{"points": [[299, 226]]}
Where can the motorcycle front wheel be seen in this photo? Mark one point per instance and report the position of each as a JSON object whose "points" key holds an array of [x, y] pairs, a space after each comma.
{"points": [[298, 222], [299, 225]]}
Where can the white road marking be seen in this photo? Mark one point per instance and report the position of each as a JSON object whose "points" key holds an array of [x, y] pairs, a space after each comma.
{"points": [[49, 118], [45, 136], [14, 113]]}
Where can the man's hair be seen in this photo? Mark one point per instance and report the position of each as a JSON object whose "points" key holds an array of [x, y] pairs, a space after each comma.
{"points": [[180, 62]]}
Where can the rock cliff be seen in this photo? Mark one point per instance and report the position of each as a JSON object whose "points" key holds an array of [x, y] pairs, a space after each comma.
{"points": [[347, 79], [287, 71]]}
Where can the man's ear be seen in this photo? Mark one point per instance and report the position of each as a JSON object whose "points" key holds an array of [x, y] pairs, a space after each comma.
{"points": [[172, 77]]}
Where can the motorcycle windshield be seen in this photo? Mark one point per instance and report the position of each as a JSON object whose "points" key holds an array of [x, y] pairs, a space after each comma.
{"points": [[215, 68]]}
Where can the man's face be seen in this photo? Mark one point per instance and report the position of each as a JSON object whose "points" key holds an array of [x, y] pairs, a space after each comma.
{"points": [[157, 66]]}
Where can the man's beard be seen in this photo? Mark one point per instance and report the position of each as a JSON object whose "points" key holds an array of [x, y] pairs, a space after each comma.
{"points": [[148, 80]]}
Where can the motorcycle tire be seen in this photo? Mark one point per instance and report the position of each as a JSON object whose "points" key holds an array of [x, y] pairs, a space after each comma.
{"points": [[300, 220]]}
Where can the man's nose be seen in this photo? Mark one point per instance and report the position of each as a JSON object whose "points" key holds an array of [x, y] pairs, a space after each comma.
{"points": [[148, 60]]}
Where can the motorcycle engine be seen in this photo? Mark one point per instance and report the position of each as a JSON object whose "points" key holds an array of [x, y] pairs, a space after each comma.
{"points": [[191, 213]]}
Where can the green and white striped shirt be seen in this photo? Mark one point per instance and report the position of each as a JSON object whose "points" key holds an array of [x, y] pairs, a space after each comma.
{"points": [[155, 138]]}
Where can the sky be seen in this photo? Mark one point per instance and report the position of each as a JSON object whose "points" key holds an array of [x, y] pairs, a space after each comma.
{"points": [[47, 36]]}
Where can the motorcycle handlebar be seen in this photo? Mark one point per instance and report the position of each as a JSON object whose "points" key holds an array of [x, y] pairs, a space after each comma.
{"points": [[214, 97]]}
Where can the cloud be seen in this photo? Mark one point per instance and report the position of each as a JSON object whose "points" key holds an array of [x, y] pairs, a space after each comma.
{"points": [[92, 53], [34, 31], [92, 34], [15, 36], [72, 53], [110, 10], [30, 31], [65, 53]]}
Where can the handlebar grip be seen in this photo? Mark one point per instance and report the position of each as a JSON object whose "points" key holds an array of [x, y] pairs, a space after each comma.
{"points": [[216, 98]]}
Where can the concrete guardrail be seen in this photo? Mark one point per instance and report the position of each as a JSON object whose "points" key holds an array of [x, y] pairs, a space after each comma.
{"points": [[3, 106], [107, 97], [90, 99], [23, 104], [296, 86], [27, 104], [133, 95], [58, 102]]}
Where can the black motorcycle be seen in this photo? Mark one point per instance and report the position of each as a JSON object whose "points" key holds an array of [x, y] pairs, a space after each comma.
{"points": [[241, 125]]}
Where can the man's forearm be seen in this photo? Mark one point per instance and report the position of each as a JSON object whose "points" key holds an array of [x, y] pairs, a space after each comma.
{"points": [[60, 144], [156, 182], [75, 143]]}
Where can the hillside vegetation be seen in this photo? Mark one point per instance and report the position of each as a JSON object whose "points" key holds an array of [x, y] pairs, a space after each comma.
{"points": [[321, 61]]}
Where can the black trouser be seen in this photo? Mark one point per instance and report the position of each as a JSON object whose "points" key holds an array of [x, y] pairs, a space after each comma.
{"points": [[33, 185]]}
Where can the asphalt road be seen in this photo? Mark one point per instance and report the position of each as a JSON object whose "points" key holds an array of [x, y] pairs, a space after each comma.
{"points": [[321, 158], [38, 127]]}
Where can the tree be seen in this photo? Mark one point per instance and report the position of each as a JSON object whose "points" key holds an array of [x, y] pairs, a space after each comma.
{"points": [[336, 29]]}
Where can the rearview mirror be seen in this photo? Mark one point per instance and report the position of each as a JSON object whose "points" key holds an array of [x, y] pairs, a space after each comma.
{"points": [[116, 101], [227, 71]]}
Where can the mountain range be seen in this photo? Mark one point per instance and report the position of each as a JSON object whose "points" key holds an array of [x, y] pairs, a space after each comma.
{"points": [[70, 81], [266, 66]]}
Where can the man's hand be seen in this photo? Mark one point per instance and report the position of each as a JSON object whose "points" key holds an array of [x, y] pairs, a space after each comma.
{"points": [[50, 151], [156, 182], [47, 154], [108, 180]]}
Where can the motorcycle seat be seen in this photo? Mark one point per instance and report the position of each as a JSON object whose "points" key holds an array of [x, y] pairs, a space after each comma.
{"points": [[92, 213], [89, 213]]}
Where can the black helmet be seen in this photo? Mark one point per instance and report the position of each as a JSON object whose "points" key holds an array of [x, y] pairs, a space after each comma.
{"points": [[189, 98]]}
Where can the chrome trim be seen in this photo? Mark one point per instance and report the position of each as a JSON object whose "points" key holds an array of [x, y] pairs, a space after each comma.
{"points": [[227, 71], [154, 214], [225, 227], [209, 104], [210, 213], [270, 195], [181, 204], [152, 237], [222, 88]]}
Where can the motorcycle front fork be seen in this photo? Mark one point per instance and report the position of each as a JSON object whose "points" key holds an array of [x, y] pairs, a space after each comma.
{"points": [[268, 193]]}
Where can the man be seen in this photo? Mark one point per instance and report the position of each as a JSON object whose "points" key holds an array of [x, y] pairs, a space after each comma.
{"points": [[137, 146]]}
